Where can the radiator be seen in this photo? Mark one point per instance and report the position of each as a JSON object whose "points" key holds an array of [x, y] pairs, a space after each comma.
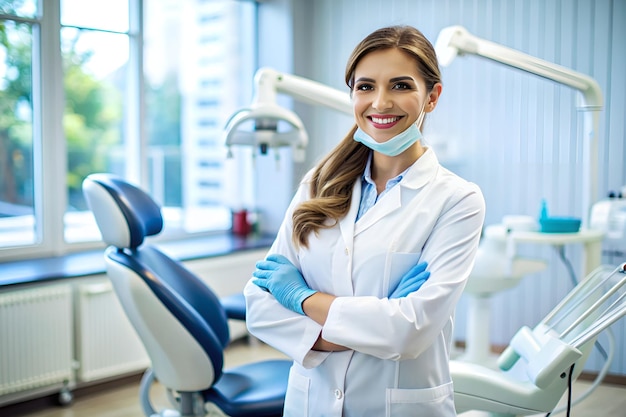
{"points": [[107, 344], [36, 338]]}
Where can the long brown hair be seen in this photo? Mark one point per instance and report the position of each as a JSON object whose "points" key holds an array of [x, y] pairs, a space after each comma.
{"points": [[334, 177]]}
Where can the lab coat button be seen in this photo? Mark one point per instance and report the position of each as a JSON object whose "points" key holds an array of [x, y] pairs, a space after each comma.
{"points": [[338, 394], [346, 251]]}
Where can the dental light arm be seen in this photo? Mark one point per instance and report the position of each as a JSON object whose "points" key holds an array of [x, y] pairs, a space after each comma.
{"points": [[269, 119], [456, 40], [269, 81]]}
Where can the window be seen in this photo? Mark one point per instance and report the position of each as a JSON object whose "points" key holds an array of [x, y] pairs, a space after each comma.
{"points": [[99, 100], [16, 122], [78, 95]]}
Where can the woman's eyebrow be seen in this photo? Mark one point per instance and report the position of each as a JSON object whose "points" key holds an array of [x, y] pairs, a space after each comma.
{"points": [[392, 80], [401, 78]]}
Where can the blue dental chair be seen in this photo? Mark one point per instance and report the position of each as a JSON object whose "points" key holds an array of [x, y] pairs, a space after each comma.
{"points": [[180, 321]]}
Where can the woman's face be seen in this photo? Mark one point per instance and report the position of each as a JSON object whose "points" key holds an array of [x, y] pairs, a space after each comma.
{"points": [[388, 94]]}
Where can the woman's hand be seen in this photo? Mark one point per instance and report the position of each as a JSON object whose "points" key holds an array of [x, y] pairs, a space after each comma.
{"points": [[411, 281], [282, 279]]}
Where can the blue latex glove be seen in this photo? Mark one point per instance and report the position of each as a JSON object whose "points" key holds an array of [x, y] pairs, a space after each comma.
{"points": [[283, 280], [411, 281]]}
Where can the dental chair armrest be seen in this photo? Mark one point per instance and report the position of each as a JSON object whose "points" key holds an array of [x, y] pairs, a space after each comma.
{"points": [[546, 356], [525, 343]]}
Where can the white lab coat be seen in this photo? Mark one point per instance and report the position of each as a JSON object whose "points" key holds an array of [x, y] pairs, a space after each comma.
{"points": [[398, 365]]}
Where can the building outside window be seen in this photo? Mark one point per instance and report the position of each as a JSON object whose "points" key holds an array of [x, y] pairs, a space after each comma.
{"points": [[139, 89]]}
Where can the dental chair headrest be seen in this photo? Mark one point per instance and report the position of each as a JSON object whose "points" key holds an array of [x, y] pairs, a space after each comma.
{"points": [[124, 213]]}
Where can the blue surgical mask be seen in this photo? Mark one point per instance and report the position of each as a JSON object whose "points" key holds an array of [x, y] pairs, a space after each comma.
{"points": [[394, 146], [397, 144]]}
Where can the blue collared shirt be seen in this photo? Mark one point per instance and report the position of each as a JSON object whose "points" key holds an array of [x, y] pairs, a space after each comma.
{"points": [[369, 196]]}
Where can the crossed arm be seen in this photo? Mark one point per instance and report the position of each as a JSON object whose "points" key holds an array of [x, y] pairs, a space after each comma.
{"points": [[277, 275]]}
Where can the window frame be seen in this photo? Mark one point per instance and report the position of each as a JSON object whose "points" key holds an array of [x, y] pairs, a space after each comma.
{"points": [[49, 144]]}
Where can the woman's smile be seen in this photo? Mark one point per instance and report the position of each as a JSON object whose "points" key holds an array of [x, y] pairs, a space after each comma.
{"points": [[383, 121]]}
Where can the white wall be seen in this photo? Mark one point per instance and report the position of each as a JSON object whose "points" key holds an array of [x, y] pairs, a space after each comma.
{"points": [[512, 133]]}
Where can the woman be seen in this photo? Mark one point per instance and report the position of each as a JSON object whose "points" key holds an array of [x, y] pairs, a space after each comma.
{"points": [[339, 291]]}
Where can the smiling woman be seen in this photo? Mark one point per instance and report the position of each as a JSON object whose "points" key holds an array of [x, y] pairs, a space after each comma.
{"points": [[373, 252]]}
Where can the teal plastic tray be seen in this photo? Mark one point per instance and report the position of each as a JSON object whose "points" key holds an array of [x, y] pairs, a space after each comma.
{"points": [[559, 225]]}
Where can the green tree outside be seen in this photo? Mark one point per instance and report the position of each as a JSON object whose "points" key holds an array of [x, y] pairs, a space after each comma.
{"points": [[92, 120], [16, 182]]}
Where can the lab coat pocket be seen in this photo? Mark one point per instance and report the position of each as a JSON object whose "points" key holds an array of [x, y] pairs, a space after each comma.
{"points": [[297, 398], [436, 401]]}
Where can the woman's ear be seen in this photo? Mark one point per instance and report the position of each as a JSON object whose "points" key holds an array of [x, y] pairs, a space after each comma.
{"points": [[433, 97]]}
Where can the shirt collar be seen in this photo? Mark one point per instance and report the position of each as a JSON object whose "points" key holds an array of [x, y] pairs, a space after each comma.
{"points": [[367, 174]]}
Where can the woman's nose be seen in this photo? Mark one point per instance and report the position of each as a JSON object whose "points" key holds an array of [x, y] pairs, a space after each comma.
{"points": [[382, 101]]}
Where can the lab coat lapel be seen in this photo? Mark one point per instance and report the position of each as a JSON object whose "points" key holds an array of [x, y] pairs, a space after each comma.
{"points": [[422, 171], [346, 224], [388, 203]]}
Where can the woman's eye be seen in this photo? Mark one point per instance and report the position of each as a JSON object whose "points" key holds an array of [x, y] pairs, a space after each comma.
{"points": [[401, 86], [363, 87]]}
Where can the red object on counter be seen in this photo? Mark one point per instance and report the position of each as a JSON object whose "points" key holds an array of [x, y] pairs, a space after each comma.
{"points": [[241, 224]]}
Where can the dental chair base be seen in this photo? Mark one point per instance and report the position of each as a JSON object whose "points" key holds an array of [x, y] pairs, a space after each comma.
{"points": [[213, 403]]}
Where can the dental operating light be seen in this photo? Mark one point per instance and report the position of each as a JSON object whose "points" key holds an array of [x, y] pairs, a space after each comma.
{"points": [[267, 125], [456, 40]]}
